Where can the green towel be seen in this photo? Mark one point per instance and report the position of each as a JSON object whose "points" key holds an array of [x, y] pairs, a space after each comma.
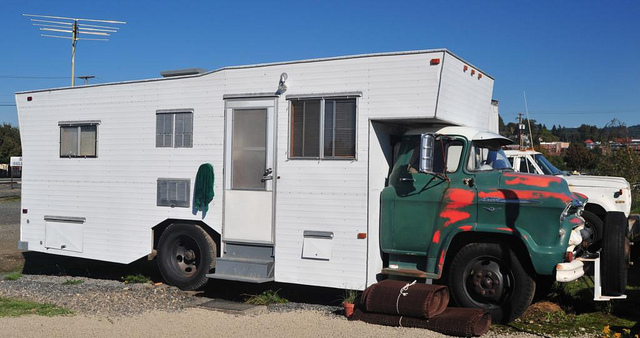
{"points": [[203, 190]]}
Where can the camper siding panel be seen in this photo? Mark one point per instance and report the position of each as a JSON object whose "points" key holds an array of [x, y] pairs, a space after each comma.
{"points": [[465, 98], [115, 190]]}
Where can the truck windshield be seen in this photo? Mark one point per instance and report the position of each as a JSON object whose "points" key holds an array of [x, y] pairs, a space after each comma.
{"points": [[546, 166], [487, 155]]}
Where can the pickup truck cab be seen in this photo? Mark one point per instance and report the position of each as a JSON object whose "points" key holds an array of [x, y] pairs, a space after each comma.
{"points": [[606, 194], [456, 211]]}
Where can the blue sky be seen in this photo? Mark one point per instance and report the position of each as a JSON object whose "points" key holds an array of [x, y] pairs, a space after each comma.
{"points": [[577, 61]]}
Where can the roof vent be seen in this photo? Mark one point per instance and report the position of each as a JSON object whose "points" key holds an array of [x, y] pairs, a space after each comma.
{"points": [[183, 72]]}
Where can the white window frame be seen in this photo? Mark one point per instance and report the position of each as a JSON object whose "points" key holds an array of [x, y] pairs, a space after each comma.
{"points": [[79, 125], [173, 113], [322, 98]]}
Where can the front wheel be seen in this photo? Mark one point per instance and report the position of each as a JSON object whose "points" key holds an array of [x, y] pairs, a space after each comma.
{"points": [[593, 222], [186, 254], [489, 276]]}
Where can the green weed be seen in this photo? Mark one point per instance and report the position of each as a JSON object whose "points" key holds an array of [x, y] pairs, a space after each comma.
{"points": [[15, 308], [13, 276], [266, 298], [137, 279]]}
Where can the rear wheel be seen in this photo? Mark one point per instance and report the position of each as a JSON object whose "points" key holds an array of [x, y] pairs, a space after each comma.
{"points": [[186, 254], [490, 276], [615, 255]]}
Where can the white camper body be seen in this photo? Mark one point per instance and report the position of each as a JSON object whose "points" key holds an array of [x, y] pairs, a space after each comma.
{"points": [[318, 215]]}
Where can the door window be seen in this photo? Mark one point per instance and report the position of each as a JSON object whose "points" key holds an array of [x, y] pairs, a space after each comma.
{"points": [[249, 150]]}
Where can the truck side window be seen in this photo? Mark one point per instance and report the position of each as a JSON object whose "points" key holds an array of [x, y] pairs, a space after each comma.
{"points": [[449, 149], [486, 155]]}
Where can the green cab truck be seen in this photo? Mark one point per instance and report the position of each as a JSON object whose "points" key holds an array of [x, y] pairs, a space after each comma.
{"points": [[454, 210]]}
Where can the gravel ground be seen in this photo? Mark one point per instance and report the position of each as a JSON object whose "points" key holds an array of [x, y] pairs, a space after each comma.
{"points": [[97, 296], [108, 308]]}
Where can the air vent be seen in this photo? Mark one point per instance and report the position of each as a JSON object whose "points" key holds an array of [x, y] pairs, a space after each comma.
{"points": [[183, 72]]}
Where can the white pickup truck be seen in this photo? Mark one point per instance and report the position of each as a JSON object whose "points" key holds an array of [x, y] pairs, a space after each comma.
{"points": [[606, 194]]}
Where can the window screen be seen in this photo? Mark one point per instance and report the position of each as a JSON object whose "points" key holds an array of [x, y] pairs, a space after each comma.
{"points": [[174, 129], [78, 140], [249, 149], [173, 192], [331, 134]]}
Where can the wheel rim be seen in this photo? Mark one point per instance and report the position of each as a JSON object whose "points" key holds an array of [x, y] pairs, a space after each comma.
{"points": [[487, 282], [185, 255]]}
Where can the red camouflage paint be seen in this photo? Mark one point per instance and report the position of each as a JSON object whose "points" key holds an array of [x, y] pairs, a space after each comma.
{"points": [[524, 195], [457, 199], [532, 180], [436, 237]]}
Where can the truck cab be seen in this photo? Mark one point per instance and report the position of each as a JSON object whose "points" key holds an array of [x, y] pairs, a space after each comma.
{"points": [[455, 211]]}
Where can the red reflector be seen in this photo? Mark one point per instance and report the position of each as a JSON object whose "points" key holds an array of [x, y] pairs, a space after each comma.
{"points": [[465, 68], [473, 71], [435, 62], [362, 235], [479, 76], [29, 98], [568, 257]]}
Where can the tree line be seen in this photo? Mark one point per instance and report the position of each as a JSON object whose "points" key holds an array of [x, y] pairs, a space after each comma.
{"points": [[9, 142], [611, 158]]}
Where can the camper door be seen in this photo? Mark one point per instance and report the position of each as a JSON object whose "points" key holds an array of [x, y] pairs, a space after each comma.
{"points": [[248, 193]]}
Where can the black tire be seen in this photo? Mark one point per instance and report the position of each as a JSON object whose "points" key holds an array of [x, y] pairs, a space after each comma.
{"points": [[186, 254], [593, 222], [490, 276], [615, 255]]}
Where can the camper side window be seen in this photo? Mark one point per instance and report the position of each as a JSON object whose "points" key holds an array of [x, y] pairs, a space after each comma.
{"points": [[78, 139], [174, 129], [323, 128]]}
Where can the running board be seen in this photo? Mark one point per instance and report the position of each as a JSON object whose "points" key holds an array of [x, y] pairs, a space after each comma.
{"points": [[245, 262]]}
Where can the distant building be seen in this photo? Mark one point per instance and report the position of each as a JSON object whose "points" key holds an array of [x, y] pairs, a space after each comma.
{"points": [[589, 144], [555, 148]]}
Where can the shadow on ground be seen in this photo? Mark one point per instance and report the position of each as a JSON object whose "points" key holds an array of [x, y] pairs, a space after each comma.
{"points": [[36, 263]]}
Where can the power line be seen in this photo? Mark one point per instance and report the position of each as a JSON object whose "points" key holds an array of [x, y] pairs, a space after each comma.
{"points": [[32, 77]]}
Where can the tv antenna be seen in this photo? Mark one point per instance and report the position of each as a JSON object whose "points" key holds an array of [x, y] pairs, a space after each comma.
{"points": [[75, 27]]}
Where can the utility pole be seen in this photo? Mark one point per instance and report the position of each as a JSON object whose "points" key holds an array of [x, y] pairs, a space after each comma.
{"points": [[520, 128], [75, 27]]}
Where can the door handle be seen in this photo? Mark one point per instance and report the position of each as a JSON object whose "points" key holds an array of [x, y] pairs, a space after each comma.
{"points": [[267, 175]]}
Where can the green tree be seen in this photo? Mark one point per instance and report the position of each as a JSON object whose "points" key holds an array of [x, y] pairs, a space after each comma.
{"points": [[624, 162], [9, 142], [579, 158]]}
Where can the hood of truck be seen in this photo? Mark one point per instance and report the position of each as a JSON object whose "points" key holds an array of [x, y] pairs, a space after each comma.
{"points": [[597, 181], [530, 188]]}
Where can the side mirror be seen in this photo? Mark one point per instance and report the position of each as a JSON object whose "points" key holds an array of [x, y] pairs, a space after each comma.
{"points": [[427, 142]]}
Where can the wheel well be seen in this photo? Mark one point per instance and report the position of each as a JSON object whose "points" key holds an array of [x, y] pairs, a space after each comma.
{"points": [[462, 239], [159, 229], [596, 209]]}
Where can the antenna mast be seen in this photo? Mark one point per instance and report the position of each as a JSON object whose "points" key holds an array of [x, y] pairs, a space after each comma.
{"points": [[76, 27]]}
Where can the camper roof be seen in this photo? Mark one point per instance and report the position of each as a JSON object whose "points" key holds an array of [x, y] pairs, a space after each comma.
{"points": [[268, 65]]}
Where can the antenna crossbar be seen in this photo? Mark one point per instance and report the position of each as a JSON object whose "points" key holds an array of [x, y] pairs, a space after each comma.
{"points": [[74, 19], [76, 27]]}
